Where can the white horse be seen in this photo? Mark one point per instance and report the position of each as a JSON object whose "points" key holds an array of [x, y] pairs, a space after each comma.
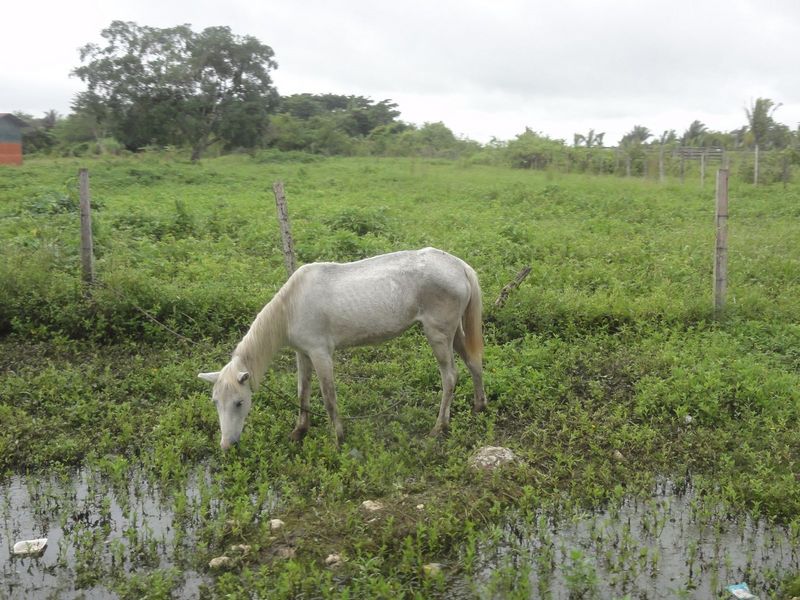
{"points": [[324, 306]]}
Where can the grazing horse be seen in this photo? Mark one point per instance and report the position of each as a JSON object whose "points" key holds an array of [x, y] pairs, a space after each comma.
{"points": [[324, 306]]}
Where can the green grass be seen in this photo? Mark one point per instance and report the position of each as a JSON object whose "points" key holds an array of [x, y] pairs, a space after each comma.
{"points": [[605, 349]]}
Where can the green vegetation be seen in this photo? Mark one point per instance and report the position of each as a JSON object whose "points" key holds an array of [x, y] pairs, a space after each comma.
{"points": [[605, 370]]}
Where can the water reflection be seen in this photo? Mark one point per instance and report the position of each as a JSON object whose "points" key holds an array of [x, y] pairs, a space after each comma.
{"points": [[100, 532], [675, 544]]}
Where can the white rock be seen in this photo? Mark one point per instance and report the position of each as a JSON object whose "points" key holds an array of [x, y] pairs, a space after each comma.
{"points": [[491, 457], [243, 548], [420, 506], [220, 562], [276, 524], [371, 505], [619, 456], [30, 547], [432, 569], [333, 560]]}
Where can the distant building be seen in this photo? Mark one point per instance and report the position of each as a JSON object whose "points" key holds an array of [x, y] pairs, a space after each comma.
{"points": [[11, 139]]}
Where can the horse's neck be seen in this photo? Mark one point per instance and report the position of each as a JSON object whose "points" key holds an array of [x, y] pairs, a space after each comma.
{"points": [[264, 339]]}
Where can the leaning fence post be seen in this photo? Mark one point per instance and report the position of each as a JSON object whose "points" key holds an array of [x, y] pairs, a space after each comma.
{"points": [[721, 249], [87, 247], [286, 230]]}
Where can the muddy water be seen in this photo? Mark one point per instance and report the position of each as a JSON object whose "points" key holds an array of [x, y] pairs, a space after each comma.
{"points": [[100, 534], [674, 544]]}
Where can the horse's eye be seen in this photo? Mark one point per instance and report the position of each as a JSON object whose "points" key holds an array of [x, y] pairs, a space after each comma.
{"points": [[238, 404]]}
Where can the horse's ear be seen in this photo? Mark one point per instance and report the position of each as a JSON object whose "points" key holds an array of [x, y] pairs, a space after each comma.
{"points": [[209, 377], [243, 376]]}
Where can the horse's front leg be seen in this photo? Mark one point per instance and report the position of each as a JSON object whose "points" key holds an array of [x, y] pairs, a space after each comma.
{"points": [[303, 393], [323, 365]]}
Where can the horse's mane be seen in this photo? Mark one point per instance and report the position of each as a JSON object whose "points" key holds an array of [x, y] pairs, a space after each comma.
{"points": [[266, 336]]}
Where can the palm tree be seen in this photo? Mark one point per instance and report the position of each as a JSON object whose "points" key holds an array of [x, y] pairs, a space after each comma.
{"points": [[636, 136], [590, 140], [760, 121], [694, 136], [631, 143], [50, 119]]}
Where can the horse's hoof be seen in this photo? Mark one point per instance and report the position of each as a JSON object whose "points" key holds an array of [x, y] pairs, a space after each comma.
{"points": [[297, 435], [339, 438], [478, 408], [437, 431]]}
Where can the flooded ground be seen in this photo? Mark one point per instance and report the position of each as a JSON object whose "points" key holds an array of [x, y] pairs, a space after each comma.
{"points": [[108, 535], [100, 534], [675, 544]]}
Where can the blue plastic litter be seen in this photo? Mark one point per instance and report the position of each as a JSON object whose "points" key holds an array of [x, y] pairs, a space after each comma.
{"points": [[741, 591]]}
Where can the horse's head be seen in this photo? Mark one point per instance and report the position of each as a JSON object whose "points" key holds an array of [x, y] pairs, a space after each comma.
{"points": [[232, 396]]}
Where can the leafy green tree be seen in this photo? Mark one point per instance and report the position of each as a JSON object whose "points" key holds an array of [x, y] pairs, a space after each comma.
{"points": [[383, 140], [38, 137], [288, 133], [301, 106], [356, 115], [532, 150], [176, 86]]}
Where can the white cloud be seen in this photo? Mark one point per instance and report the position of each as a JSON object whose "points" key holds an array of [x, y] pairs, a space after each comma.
{"points": [[485, 68]]}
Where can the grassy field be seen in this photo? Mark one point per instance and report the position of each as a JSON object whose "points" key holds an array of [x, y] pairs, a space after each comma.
{"points": [[605, 371]]}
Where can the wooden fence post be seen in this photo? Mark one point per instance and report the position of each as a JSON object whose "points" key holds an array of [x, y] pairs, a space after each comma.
{"points": [[683, 166], [87, 247], [755, 167], [721, 249], [703, 169], [286, 230]]}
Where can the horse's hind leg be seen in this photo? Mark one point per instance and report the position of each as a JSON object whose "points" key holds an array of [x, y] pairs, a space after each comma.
{"points": [[323, 365], [442, 344], [475, 366], [303, 393]]}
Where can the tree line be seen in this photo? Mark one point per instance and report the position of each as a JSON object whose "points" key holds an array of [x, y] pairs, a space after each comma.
{"points": [[212, 90]]}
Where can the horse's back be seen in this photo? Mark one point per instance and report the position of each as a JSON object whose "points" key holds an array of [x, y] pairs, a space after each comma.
{"points": [[377, 298]]}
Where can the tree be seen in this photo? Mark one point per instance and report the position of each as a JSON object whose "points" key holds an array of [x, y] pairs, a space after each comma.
{"points": [[760, 121], [357, 115], [694, 135], [532, 150], [667, 137], [631, 144], [175, 86], [636, 136], [38, 137], [590, 140]]}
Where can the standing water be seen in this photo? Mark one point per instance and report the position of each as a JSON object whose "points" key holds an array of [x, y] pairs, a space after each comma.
{"points": [[102, 535], [675, 544]]}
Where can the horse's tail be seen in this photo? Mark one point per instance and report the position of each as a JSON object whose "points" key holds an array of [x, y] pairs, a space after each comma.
{"points": [[472, 320]]}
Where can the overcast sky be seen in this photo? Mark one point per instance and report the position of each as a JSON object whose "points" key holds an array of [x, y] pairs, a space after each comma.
{"points": [[485, 68]]}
